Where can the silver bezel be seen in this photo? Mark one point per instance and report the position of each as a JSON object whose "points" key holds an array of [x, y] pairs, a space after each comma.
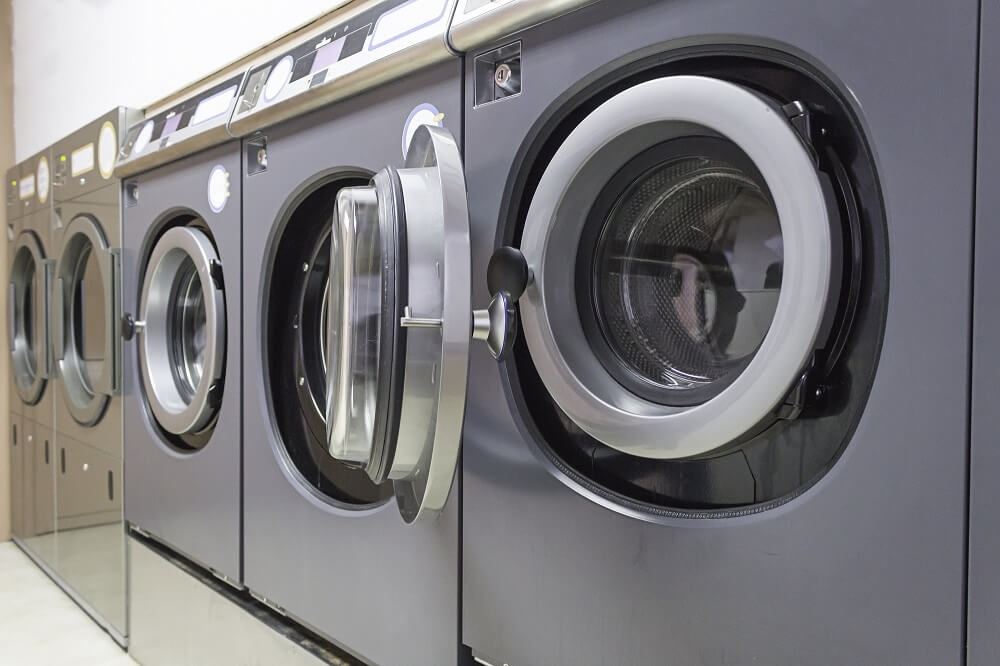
{"points": [[86, 397], [173, 413], [633, 120]]}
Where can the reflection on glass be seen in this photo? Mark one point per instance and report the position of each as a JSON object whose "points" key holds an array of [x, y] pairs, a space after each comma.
{"points": [[187, 322], [687, 274], [89, 318]]}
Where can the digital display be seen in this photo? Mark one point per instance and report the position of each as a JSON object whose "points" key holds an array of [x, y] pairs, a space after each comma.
{"points": [[214, 106], [404, 19]]}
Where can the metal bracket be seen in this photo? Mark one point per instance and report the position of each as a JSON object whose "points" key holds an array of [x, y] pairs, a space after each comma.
{"points": [[409, 321]]}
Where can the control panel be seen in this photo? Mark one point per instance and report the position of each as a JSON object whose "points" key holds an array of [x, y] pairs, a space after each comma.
{"points": [[480, 22], [86, 159], [207, 112], [374, 42]]}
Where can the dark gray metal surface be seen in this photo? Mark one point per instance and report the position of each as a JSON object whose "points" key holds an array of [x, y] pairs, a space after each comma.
{"points": [[190, 501], [866, 567], [381, 589], [984, 463]]}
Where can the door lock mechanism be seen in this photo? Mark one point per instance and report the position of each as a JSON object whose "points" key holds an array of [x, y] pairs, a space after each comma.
{"points": [[130, 327], [507, 276]]}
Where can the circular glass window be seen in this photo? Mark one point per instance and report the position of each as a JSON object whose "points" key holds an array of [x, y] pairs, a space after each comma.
{"points": [[182, 349], [684, 272], [298, 314], [27, 320], [188, 325]]}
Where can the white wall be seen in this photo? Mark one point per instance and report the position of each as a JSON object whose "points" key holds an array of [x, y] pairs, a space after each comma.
{"points": [[76, 59]]}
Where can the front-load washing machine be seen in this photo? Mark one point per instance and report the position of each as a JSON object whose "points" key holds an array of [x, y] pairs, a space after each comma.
{"points": [[86, 456], [30, 265], [324, 541], [984, 458], [181, 318], [723, 434]]}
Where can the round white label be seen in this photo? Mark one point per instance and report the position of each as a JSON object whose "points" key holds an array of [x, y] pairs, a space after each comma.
{"points": [[107, 149], [423, 114], [142, 140], [42, 178], [218, 188], [278, 77]]}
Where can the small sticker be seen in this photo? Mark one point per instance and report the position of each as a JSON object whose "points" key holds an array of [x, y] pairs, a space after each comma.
{"points": [[81, 160], [26, 188], [218, 188], [42, 173], [423, 114], [107, 150]]}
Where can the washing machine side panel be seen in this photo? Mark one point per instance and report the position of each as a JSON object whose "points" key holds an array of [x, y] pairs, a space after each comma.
{"points": [[868, 565], [381, 589], [190, 501], [984, 463]]}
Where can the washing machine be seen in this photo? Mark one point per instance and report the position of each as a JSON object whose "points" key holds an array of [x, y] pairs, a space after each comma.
{"points": [[86, 447], [367, 558], [181, 300], [720, 435], [30, 265], [984, 510]]}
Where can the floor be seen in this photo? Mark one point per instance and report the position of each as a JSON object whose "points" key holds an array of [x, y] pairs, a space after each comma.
{"points": [[40, 625]]}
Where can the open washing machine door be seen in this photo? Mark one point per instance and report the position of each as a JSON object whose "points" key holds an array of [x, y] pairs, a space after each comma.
{"points": [[400, 324], [86, 319], [28, 317]]}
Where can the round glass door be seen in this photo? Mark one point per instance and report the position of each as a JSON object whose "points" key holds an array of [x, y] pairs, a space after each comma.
{"points": [[400, 324], [703, 272], [297, 354], [27, 318], [182, 343], [86, 320]]}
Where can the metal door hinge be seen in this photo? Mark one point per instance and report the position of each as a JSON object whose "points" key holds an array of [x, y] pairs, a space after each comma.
{"points": [[267, 602]]}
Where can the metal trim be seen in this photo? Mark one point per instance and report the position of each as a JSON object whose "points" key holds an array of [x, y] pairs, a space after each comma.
{"points": [[611, 134], [82, 232], [173, 413]]}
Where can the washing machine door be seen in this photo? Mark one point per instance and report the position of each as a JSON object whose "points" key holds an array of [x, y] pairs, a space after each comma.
{"points": [[28, 317], [683, 255], [183, 331], [399, 324], [85, 320]]}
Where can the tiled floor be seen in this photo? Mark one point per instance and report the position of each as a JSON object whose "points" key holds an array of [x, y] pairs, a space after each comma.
{"points": [[40, 625]]}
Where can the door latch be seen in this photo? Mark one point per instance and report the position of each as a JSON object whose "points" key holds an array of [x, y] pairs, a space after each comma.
{"points": [[507, 276], [130, 327]]}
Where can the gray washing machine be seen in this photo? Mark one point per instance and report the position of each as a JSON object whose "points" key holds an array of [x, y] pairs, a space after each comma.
{"points": [[984, 462], [31, 395], [363, 551], [181, 300], [86, 451], [719, 437]]}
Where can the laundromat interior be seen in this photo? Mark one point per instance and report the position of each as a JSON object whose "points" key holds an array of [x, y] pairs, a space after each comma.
{"points": [[500, 333]]}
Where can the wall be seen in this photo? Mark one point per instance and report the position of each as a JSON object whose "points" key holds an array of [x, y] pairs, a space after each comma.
{"points": [[6, 160], [75, 59]]}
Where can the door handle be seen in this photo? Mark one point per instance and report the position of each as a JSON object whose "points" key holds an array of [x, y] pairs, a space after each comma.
{"points": [[108, 383], [48, 271], [59, 321], [507, 276], [113, 345], [11, 333]]}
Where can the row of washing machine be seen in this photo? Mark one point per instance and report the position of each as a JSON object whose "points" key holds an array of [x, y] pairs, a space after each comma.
{"points": [[562, 332]]}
